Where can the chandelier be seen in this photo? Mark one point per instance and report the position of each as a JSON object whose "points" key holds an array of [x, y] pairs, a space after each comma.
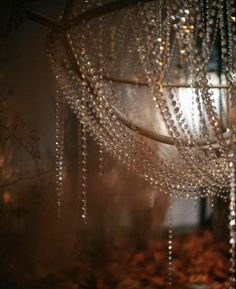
{"points": [[161, 53]]}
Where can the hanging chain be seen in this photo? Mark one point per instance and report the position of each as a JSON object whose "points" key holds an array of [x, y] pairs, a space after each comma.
{"points": [[59, 149], [84, 174], [152, 193], [195, 207], [101, 160], [170, 243], [232, 234]]}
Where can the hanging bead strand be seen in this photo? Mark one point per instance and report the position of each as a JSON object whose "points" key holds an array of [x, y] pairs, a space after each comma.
{"points": [[84, 174], [101, 160], [195, 207], [212, 204], [232, 232], [152, 194], [170, 243], [79, 160], [59, 149]]}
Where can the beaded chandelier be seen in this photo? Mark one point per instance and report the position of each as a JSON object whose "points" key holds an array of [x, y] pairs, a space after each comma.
{"points": [[159, 45], [163, 54]]}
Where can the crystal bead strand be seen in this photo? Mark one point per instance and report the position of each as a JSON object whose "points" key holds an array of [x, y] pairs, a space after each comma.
{"points": [[195, 207], [102, 99], [212, 203], [120, 38], [59, 149], [230, 24], [170, 243], [148, 74], [152, 194], [232, 212], [85, 107], [79, 161], [193, 117], [78, 107], [192, 61], [184, 152], [84, 174], [202, 75], [101, 160], [232, 19], [101, 65]]}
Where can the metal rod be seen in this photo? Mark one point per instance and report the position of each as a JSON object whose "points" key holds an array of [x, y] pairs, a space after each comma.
{"points": [[165, 139], [42, 19], [164, 85], [143, 131]]}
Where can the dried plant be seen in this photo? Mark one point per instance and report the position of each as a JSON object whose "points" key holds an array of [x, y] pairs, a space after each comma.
{"points": [[17, 137]]}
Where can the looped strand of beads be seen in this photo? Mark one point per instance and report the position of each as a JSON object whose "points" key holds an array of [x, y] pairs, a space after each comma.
{"points": [[59, 149]]}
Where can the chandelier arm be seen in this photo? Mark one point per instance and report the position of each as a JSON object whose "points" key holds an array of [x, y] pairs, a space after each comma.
{"points": [[143, 131], [164, 85], [159, 137], [42, 19]]}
